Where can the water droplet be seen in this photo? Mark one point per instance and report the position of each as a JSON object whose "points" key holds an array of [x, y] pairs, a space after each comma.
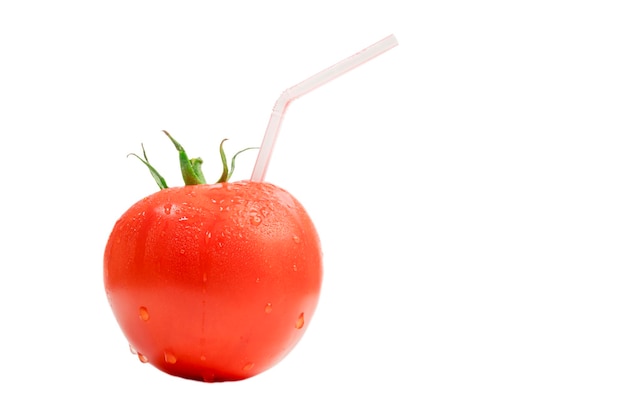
{"points": [[208, 377], [203, 358], [256, 219], [143, 313], [296, 239], [142, 358], [295, 268], [182, 251], [268, 308], [248, 366], [204, 277], [170, 358], [132, 350], [300, 321], [182, 218]]}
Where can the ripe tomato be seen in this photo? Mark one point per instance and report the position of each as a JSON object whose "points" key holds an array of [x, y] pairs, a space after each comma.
{"points": [[214, 282]]}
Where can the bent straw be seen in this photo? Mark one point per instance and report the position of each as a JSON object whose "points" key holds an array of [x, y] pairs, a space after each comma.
{"points": [[300, 89]]}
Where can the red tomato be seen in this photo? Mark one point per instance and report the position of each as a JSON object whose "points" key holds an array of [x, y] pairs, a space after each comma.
{"points": [[214, 282]]}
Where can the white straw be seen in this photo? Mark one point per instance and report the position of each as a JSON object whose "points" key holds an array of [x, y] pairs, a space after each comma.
{"points": [[300, 89]]}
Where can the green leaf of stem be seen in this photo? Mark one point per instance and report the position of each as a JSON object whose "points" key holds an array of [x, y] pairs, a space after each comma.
{"points": [[224, 177], [160, 181], [232, 161], [226, 173]]}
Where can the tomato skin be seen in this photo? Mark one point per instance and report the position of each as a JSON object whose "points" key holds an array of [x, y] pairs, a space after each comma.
{"points": [[214, 282]]}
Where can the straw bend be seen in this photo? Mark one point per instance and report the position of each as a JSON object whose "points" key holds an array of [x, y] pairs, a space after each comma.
{"points": [[306, 86]]}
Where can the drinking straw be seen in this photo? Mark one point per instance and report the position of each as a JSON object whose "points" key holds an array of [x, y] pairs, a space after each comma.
{"points": [[300, 89]]}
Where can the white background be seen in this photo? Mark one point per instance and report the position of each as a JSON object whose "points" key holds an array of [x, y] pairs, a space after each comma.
{"points": [[468, 187]]}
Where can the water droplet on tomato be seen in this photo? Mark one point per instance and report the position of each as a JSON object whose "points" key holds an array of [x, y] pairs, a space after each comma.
{"points": [[296, 239], [295, 268], [132, 350], [170, 358], [268, 308], [167, 208], [143, 313], [207, 237], [300, 321], [202, 358], [248, 366], [182, 218], [142, 358], [256, 219], [208, 377]]}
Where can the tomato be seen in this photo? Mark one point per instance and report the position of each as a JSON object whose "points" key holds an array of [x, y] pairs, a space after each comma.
{"points": [[214, 282]]}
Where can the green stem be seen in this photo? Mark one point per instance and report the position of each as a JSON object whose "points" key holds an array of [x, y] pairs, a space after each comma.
{"points": [[190, 169]]}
